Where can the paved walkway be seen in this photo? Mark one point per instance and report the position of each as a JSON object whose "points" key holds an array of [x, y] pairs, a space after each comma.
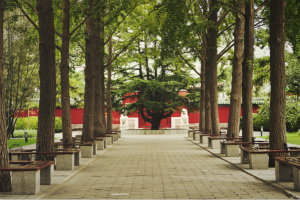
{"points": [[159, 167]]}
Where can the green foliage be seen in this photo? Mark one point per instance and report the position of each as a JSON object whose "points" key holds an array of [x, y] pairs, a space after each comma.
{"points": [[292, 117], [261, 74], [292, 28], [20, 133], [22, 123], [293, 74]]}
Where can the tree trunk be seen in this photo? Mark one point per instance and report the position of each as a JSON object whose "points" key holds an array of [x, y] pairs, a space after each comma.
{"points": [[212, 57], [47, 73], [247, 71], [108, 89], [277, 76], [99, 120], [207, 99], [5, 183], [89, 92], [64, 80], [236, 85], [155, 123], [202, 92]]}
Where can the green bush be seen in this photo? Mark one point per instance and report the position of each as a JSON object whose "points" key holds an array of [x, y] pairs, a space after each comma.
{"points": [[22, 124], [58, 125], [20, 133], [292, 117]]}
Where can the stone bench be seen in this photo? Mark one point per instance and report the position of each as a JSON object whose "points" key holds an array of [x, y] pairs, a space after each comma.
{"points": [[287, 170], [27, 177], [204, 137], [231, 148], [109, 139], [65, 159], [214, 141], [88, 149], [101, 142], [258, 158]]}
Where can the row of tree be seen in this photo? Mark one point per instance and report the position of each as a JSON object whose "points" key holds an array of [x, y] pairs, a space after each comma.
{"points": [[148, 40]]}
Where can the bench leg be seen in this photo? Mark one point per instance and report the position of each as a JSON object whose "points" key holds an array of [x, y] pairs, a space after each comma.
{"points": [[95, 149], [86, 151], [100, 145], [78, 158], [245, 159], [215, 144], [222, 148], [259, 161], [108, 141], [65, 162], [119, 134], [26, 182], [46, 175], [232, 150], [205, 140], [197, 137], [284, 173], [296, 176]]}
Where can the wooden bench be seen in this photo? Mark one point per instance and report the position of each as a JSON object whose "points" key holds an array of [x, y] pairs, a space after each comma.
{"points": [[258, 158], [28, 176], [65, 159], [287, 170]]}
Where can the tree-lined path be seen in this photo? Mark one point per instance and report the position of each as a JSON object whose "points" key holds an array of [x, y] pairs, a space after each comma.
{"points": [[162, 167]]}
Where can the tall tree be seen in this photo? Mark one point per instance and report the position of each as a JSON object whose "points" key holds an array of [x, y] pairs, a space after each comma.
{"points": [[89, 92], [64, 73], [236, 85], [277, 63], [5, 184], [211, 64], [108, 87], [47, 72], [99, 114], [247, 71]]}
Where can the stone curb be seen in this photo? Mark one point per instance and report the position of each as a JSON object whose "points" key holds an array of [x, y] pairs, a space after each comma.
{"points": [[283, 190]]}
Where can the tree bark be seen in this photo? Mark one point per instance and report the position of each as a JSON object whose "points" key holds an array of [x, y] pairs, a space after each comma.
{"points": [[47, 73], [108, 89], [207, 99], [202, 92], [247, 125], [236, 86], [99, 120], [212, 57], [5, 183], [277, 76], [64, 73], [89, 92]]}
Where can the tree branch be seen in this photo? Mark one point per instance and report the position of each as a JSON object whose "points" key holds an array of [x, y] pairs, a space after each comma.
{"points": [[75, 29], [189, 64], [234, 8], [260, 7], [225, 29], [229, 46], [27, 16]]}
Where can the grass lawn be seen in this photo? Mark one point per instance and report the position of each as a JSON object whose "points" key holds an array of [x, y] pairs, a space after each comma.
{"points": [[292, 138], [21, 141]]}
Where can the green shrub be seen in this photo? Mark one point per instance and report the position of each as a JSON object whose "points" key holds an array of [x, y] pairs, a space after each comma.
{"points": [[292, 117], [22, 124], [20, 133], [58, 125]]}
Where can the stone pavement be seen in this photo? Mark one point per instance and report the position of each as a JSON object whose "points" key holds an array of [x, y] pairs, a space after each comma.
{"points": [[157, 167]]}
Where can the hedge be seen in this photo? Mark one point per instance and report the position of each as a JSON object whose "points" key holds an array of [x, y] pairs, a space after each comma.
{"points": [[292, 117], [22, 124]]}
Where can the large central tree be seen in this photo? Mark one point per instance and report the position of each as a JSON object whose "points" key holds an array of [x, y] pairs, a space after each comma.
{"points": [[154, 101]]}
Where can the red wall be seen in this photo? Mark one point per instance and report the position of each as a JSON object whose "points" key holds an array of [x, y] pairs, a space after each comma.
{"points": [[77, 116]]}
